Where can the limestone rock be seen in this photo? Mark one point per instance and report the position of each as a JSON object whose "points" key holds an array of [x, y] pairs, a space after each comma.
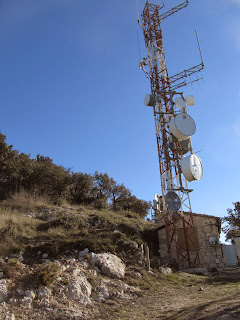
{"points": [[30, 294], [73, 291], [10, 316], [43, 292], [85, 286], [101, 293], [80, 288], [164, 270], [27, 302], [3, 290], [20, 291], [44, 303], [82, 253], [109, 264]]}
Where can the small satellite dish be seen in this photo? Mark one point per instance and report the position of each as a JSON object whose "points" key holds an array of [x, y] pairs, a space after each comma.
{"points": [[149, 100], [179, 102], [192, 167], [182, 147], [182, 126], [189, 100], [173, 201]]}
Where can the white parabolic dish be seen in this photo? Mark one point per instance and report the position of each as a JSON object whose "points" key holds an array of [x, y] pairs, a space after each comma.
{"points": [[182, 126], [149, 100], [192, 167], [179, 102]]}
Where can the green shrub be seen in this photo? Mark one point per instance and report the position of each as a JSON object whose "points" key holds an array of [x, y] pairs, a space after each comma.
{"points": [[49, 274]]}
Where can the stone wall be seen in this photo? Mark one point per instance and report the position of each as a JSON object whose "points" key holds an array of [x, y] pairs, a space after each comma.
{"points": [[210, 251], [237, 243]]}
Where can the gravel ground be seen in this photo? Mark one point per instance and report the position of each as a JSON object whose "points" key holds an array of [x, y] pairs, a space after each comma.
{"points": [[207, 298]]}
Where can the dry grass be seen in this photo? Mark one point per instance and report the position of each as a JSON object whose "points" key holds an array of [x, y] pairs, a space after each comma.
{"points": [[15, 230], [25, 202], [128, 218], [69, 227]]}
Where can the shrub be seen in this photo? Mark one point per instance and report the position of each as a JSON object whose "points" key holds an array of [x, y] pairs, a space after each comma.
{"points": [[49, 274]]}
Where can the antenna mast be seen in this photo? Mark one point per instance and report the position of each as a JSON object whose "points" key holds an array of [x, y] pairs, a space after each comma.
{"points": [[173, 131]]}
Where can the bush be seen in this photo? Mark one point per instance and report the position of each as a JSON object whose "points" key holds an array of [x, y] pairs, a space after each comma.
{"points": [[49, 274]]}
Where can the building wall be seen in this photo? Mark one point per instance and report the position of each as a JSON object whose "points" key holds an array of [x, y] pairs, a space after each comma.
{"points": [[207, 230], [237, 243]]}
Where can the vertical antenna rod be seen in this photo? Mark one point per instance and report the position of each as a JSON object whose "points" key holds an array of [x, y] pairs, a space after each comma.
{"points": [[199, 48]]}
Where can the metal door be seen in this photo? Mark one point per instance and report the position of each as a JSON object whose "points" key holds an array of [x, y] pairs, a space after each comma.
{"points": [[230, 254]]}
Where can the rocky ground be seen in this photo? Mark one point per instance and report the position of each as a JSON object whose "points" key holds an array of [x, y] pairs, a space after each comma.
{"points": [[203, 298], [99, 286], [73, 288], [55, 277]]}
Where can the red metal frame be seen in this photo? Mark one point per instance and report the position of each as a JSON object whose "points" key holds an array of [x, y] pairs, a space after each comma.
{"points": [[168, 158]]}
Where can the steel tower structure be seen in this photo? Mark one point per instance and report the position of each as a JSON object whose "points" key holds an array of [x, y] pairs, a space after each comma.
{"points": [[163, 90]]}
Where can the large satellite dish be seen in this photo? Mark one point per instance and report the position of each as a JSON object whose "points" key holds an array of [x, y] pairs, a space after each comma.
{"points": [[192, 167], [182, 126], [173, 201]]}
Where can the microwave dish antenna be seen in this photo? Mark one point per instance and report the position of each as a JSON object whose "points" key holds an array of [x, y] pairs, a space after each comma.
{"points": [[180, 103], [181, 147], [189, 100], [192, 167], [182, 126], [173, 201]]}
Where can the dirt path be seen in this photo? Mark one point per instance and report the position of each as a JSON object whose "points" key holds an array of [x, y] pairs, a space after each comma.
{"points": [[207, 298]]}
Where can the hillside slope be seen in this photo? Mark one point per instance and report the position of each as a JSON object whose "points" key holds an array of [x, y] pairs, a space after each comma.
{"points": [[75, 262]]}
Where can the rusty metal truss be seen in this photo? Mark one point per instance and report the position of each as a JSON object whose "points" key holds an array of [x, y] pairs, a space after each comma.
{"points": [[163, 89]]}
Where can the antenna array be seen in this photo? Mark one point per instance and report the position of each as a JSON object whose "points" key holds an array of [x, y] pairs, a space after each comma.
{"points": [[174, 128]]}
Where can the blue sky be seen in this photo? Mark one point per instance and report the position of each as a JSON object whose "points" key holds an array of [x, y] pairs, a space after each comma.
{"points": [[71, 90]]}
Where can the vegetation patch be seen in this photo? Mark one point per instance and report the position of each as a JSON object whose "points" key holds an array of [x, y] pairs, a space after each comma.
{"points": [[49, 274], [15, 231]]}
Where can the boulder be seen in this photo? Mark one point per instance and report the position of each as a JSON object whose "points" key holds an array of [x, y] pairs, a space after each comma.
{"points": [[109, 264], [80, 288]]}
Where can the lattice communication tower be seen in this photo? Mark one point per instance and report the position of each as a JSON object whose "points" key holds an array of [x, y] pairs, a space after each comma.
{"points": [[174, 128]]}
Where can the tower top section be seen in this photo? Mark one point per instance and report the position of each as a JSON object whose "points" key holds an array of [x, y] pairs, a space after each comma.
{"points": [[151, 19]]}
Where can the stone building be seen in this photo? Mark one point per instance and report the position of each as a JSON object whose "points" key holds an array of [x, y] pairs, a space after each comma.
{"points": [[237, 244], [207, 231]]}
